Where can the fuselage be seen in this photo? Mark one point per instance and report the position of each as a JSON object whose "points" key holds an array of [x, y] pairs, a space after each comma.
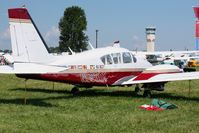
{"points": [[102, 66]]}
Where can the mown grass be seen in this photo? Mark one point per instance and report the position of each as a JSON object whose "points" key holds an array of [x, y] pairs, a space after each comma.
{"points": [[99, 109]]}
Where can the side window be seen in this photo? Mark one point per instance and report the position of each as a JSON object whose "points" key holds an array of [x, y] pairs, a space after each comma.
{"points": [[116, 58], [134, 58], [109, 60], [103, 59], [126, 57]]}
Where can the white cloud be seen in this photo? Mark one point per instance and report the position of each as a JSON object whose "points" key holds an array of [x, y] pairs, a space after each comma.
{"points": [[135, 37], [52, 36], [5, 39], [138, 43], [5, 35], [53, 32]]}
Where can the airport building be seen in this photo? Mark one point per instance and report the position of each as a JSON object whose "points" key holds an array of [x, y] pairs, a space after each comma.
{"points": [[150, 37]]}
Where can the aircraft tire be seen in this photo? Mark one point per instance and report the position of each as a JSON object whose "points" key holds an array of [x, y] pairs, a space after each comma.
{"points": [[147, 93], [75, 90]]}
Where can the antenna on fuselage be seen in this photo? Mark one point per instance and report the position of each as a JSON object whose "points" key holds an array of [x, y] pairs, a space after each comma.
{"points": [[116, 44], [72, 52], [91, 46]]}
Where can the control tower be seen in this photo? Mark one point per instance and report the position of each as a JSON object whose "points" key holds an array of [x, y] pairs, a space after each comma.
{"points": [[150, 37], [196, 11]]}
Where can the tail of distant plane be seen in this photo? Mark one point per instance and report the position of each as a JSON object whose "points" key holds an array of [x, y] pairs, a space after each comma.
{"points": [[27, 42]]}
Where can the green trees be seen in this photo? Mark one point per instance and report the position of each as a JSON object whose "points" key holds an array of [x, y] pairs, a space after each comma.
{"points": [[72, 26]]}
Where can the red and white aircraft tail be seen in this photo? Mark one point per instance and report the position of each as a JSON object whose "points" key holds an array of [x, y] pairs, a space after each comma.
{"points": [[27, 42]]}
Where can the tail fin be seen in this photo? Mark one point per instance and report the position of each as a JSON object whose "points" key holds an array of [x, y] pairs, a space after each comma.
{"points": [[27, 43]]}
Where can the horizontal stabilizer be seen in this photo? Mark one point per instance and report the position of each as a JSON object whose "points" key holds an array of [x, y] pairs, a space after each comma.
{"points": [[30, 68]]}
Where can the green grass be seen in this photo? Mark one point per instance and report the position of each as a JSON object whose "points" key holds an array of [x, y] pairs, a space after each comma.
{"points": [[99, 109]]}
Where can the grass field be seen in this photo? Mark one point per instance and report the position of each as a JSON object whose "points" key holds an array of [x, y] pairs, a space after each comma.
{"points": [[98, 109]]}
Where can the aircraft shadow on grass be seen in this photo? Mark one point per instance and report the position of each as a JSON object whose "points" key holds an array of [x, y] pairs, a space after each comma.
{"points": [[86, 93], [29, 101], [105, 92], [34, 101]]}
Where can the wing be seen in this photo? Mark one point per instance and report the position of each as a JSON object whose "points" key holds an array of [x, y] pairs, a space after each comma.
{"points": [[152, 78]]}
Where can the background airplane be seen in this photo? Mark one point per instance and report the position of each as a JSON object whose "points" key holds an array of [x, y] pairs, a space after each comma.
{"points": [[109, 66]]}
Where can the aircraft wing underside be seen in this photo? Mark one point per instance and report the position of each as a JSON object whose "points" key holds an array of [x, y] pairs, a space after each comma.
{"points": [[154, 78]]}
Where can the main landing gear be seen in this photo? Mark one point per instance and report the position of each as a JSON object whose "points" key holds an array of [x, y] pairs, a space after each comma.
{"points": [[137, 89], [75, 90], [147, 88], [147, 92]]}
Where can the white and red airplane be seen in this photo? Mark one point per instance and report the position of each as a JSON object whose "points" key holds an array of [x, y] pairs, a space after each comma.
{"points": [[109, 66]]}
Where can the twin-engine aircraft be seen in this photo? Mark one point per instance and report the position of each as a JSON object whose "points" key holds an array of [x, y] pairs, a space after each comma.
{"points": [[109, 66]]}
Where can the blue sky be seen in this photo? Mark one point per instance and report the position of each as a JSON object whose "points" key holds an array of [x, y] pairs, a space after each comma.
{"points": [[123, 20]]}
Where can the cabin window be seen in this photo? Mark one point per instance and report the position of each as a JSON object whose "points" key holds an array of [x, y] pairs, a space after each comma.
{"points": [[134, 58], [107, 60], [116, 58], [103, 59], [126, 57]]}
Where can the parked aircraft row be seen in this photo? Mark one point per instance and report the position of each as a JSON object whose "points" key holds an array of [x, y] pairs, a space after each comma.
{"points": [[168, 57], [109, 66]]}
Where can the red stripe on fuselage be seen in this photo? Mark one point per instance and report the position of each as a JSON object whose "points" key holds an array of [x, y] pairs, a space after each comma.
{"points": [[93, 79]]}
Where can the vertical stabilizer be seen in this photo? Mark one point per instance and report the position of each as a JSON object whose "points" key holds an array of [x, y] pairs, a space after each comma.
{"points": [[27, 43]]}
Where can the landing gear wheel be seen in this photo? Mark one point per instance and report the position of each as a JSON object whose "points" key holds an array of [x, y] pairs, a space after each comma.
{"points": [[75, 90], [147, 93]]}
